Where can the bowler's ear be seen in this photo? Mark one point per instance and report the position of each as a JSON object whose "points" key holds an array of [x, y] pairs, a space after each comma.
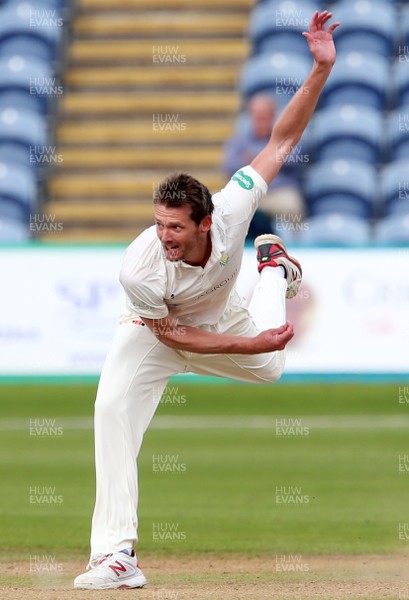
{"points": [[206, 223]]}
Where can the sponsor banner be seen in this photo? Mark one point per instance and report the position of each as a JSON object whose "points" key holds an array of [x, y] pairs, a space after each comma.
{"points": [[60, 308]]}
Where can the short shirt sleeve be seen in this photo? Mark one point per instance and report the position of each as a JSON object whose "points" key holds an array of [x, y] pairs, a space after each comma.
{"points": [[144, 286], [240, 198]]}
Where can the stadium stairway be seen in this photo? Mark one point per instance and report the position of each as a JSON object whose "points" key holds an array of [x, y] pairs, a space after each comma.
{"points": [[149, 88]]}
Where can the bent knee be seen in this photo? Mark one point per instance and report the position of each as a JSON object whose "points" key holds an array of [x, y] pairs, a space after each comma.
{"points": [[273, 368]]}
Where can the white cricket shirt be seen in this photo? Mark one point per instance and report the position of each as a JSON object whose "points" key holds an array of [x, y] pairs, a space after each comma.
{"points": [[156, 287]]}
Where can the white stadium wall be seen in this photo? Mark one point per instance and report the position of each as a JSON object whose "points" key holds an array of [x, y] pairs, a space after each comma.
{"points": [[60, 307]]}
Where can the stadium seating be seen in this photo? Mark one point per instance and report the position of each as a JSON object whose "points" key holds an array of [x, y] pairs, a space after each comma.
{"points": [[400, 83], [18, 77], [348, 131], [50, 5], [394, 186], [336, 228], [276, 26], [393, 230], [12, 230], [280, 63], [396, 143], [30, 29], [342, 186], [22, 137], [367, 26], [30, 38], [358, 78], [404, 29], [279, 74], [18, 189]]}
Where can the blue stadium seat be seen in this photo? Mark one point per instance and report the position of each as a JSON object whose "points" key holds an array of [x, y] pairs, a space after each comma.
{"points": [[336, 228], [403, 47], [22, 137], [393, 230], [12, 230], [18, 191], [30, 29], [278, 74], [341, 186], [400, 84], [19, 77], [276, 26], [59, 5], [348, 131], [367, 26], [358, 78], [394, 186], [396, 143]]}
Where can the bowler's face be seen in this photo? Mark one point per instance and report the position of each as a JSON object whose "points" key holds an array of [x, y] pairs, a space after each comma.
{"points": [[177, 232]]}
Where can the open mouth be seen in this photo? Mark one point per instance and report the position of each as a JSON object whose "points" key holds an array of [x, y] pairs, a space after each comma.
{"points": [[171, 251]]}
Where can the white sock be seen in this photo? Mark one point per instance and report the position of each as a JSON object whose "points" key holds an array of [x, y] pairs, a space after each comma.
{"points": [[267, 306], [276, 271]]}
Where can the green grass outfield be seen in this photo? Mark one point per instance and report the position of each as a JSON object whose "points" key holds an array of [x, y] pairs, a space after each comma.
{"points": [[221, 460]]}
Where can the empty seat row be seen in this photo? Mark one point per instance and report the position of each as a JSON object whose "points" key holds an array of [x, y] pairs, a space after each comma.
{"points": [[361, 133], [357, 78], [368, 26], [352, 131], [348, 230], [355, 188]]}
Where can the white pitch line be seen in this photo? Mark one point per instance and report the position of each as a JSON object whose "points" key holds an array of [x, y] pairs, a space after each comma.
{"points": [[286, 423]]}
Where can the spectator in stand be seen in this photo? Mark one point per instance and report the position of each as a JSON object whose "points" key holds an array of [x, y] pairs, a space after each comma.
{"points": [[284, 201]]}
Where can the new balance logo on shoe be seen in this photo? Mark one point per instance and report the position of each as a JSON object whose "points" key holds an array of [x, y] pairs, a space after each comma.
{"points": [[121, 568]]}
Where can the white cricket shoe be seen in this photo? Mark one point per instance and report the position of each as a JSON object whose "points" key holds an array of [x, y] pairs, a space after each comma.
{"points": [[271, 252], [114, 571]]}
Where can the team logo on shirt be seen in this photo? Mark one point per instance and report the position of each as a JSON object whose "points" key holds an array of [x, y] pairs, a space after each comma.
{"points": [[244, 181], [224, 259]]}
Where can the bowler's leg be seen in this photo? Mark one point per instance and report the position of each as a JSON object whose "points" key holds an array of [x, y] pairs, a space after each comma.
{"points": [[134, 376], [279, 278]]}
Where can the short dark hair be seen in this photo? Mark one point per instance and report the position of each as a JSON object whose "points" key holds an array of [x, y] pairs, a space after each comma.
{"points": [[180, 189]]}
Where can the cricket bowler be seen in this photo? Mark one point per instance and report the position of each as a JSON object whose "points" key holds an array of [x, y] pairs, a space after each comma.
{"points": [[183, 314]]}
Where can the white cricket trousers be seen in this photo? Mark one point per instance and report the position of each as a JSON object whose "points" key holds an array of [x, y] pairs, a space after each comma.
{"points": [[135, 374]]}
